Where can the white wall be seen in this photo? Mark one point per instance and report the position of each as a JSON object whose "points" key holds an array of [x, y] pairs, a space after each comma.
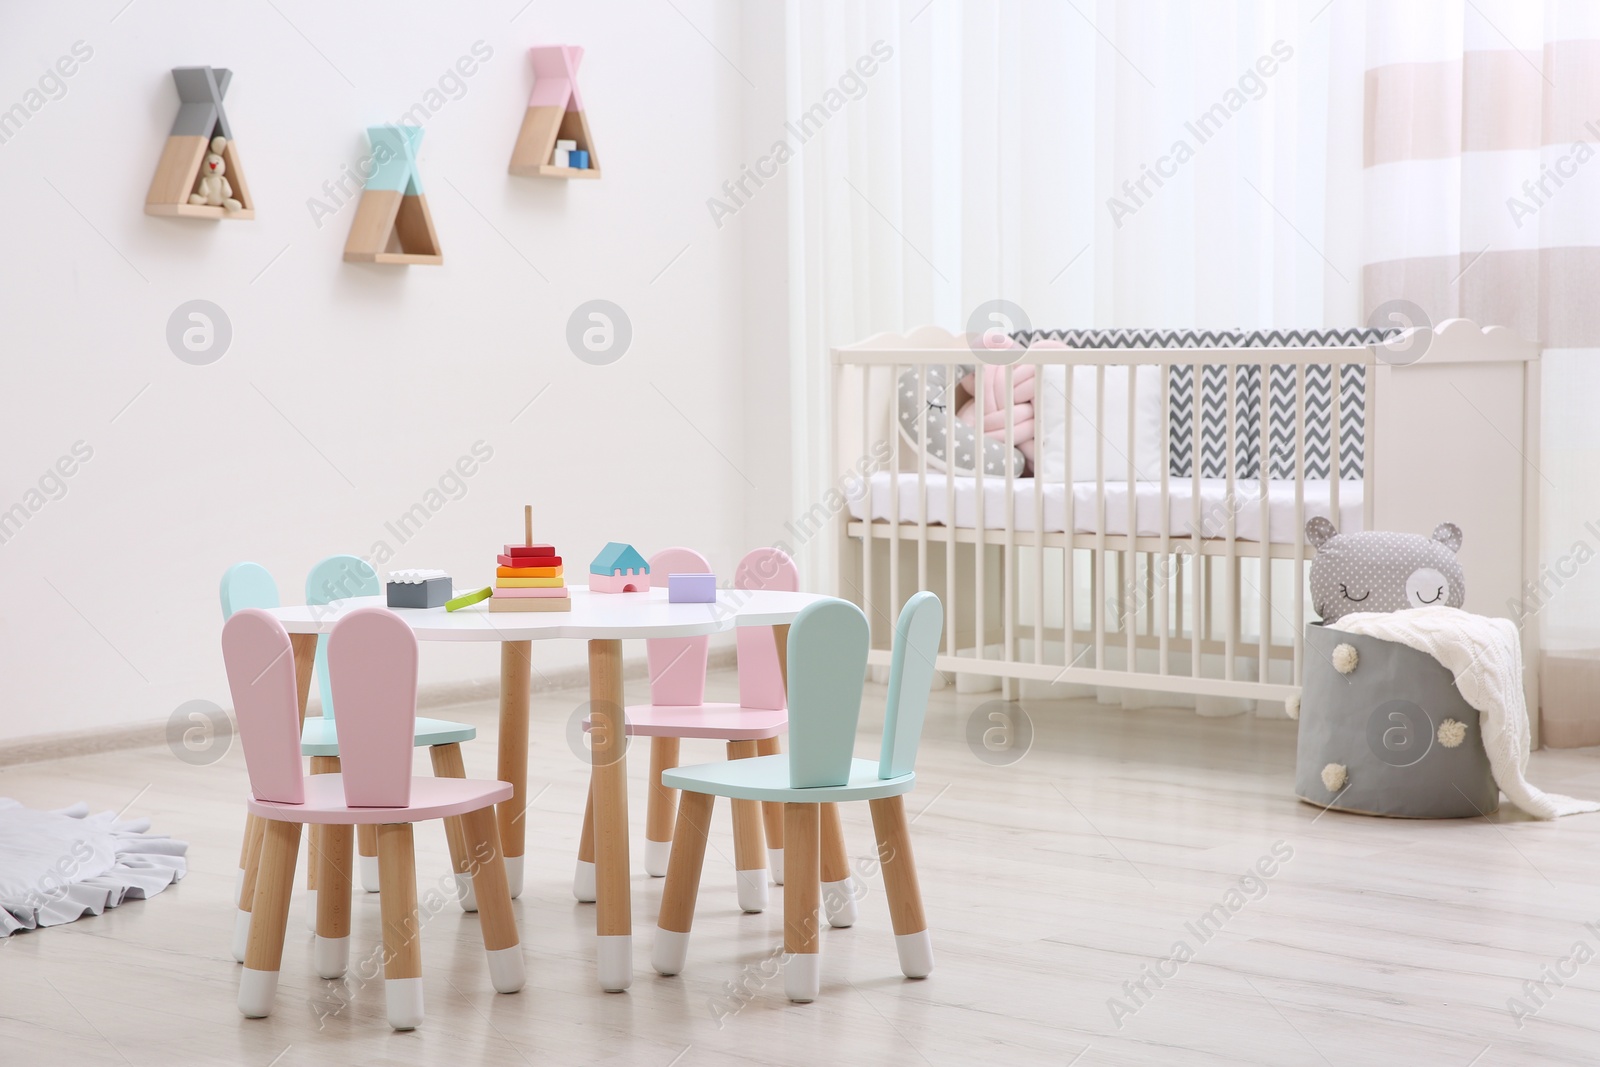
{"points": [[348, 391]]}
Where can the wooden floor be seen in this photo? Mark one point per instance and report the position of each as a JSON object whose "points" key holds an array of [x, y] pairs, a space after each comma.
{"points": [[1050, 883]]}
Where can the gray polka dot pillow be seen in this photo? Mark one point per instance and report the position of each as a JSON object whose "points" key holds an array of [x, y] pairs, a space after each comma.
{"points": [[924, 416], [1384, 571]]}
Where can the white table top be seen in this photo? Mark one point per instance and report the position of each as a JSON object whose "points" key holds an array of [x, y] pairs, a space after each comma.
{"points": [[594, 616]]}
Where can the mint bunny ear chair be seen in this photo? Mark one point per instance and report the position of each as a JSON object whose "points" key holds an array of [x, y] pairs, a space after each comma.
{"points": [[827, 659]]}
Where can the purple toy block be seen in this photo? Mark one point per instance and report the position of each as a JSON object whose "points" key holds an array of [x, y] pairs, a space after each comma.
{"points": [[692, 588]]}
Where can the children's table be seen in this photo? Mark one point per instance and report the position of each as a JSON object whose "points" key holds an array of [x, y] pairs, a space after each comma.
{"points": [[604, 620]]}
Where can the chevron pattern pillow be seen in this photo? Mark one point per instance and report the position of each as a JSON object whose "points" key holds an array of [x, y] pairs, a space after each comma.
{"points": [[1281, 401]]}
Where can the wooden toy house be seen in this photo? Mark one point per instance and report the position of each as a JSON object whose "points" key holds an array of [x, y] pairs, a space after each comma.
{"points": [[619, 569]]}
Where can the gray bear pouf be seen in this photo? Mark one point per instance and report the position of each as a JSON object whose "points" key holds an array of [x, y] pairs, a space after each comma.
{"points": [[1383, 729]]}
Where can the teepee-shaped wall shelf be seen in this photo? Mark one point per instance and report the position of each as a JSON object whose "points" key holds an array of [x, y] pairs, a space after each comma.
{"points": [[392, 223], [555, 112], [200, 118]]}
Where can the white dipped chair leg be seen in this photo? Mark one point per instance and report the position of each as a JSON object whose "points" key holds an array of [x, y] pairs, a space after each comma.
{"points": [[369, 873], [839, 900], [775, 862], [583, 882], [657, 855], [402, 999]]}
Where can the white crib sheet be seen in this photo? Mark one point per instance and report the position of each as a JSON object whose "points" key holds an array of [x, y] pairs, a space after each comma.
{"points": [[1213, 511]]}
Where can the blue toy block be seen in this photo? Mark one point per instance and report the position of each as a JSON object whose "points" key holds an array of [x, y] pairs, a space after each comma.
{"points": [[692, 588], [578, 159]]}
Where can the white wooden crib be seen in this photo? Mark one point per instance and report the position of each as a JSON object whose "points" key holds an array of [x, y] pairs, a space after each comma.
{"points": [[1194, 582]]}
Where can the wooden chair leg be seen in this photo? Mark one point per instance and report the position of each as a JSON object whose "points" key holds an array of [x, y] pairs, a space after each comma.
{"points": [[447, 763], [583, 874], [367, 850], [772, 816], [314, 845], [402, 926], [671, 949], [269, 918], [481, 835], [900, 885], [332, 952], [838, 888], [749, 846], [802, 970], [661, 805], [255, 830]]}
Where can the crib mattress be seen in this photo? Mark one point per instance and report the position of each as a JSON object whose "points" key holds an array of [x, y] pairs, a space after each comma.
{"points": [[1178, 521]]}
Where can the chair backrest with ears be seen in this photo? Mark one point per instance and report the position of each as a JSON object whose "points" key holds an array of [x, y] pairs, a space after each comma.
{"points": [[372, 660], [677, 664], [827, 672], [916, 644], [336, 578], [266, 702], [247, 585], [760, 675]]}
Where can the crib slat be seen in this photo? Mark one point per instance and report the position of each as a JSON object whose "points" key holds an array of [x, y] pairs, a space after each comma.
{"points": [[1197, 562], [897, 533], [1302, 445], [922, 488], [1263, 491], [894, 489], [1038, 523], [1130, 580], [1009, 565], [1069, 554], [980, 550], [1335, 444], [952, 644], [1097, 606], [1164, 578], [1230, 572]]}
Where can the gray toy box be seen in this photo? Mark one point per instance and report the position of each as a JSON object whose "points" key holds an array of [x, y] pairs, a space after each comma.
{"points": [[1381, 722], [428, 594]]}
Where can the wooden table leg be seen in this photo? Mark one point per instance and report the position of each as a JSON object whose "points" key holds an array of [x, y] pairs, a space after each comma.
{"points": [[516, 665], [609, 782]]}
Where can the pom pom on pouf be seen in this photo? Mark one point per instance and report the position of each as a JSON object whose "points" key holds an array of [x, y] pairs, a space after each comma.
{"points": [[1344, 658], [1291, 706], [1452, 733], [1334, 776]]}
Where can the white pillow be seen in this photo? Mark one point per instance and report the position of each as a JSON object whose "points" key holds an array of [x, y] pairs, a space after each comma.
{"points": [[1050, 409]]}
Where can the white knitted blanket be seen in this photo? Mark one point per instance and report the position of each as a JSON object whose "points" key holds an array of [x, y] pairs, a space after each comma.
{"points": [[1485, 655]]}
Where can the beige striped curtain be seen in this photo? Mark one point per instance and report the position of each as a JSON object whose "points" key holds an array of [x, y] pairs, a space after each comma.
{"points": [[1481, 192]]}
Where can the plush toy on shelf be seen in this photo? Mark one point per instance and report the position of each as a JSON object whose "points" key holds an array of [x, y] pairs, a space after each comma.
{"points": [[213, 189]]}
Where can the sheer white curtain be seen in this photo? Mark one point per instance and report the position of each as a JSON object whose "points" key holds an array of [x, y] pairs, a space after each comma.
{"points": [[1106, 165]]}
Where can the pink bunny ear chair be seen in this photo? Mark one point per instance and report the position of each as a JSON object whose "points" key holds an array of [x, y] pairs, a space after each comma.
{"points": [[372, 660]]}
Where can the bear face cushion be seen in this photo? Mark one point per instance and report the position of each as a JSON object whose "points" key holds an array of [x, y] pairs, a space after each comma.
{"points": [[1384, 571]]}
